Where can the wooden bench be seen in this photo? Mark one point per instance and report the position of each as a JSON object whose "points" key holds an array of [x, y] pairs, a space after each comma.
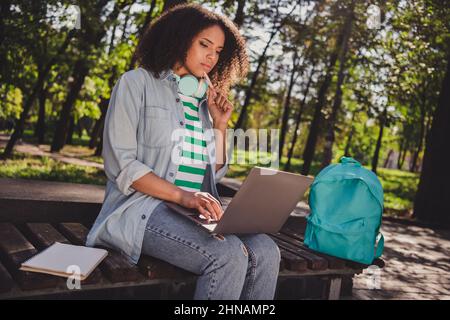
{"points": [[27, 229]]}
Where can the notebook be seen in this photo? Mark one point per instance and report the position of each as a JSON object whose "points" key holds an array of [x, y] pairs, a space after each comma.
{"points": [[57, 258]]}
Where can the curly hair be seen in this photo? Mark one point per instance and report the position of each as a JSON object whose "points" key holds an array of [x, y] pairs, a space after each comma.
{"points": [[168, 39]]}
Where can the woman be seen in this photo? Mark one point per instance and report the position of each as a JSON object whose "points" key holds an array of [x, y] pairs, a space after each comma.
{"points": [[147, 166]]}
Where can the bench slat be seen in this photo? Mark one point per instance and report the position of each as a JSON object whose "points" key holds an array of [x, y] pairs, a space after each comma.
{"points": [[44, 235], [293, 234], [293, 262], [6, 282], [15, 249], [333, 262], [115, 267], [314, 262]]}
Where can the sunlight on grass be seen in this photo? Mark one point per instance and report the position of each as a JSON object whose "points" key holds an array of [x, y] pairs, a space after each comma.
{"points": [[45, 168]]}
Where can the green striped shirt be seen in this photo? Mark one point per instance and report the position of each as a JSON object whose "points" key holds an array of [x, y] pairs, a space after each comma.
{"points": [[194, 155]]}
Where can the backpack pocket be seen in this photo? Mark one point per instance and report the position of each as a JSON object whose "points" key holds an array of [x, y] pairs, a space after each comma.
{"points": [[349, 240]]}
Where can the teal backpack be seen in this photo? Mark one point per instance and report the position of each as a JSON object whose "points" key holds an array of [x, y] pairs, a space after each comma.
{"points": [[346, 203]]}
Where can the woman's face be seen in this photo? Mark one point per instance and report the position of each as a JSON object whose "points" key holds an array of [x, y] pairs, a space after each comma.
{"points": [[204, 52]]}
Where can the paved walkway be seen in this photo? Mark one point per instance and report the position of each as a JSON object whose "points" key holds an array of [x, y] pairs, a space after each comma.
{"points": [[417, 265], [40, 150]]}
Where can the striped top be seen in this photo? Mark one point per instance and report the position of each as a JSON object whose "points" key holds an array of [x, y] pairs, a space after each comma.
{"points": [[194, 156]]}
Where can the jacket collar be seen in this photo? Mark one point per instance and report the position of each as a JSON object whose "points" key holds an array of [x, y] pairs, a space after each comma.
{"points": [[167, 75]]}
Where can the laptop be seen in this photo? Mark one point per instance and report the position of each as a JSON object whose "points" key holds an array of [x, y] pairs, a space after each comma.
{"points": [[262, 204]]}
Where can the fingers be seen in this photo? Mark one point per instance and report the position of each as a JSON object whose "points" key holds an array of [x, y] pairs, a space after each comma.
{"points": [[210, 205], [211, 210], [212, 94], [204, 212], [205, 208], [217, 206]]}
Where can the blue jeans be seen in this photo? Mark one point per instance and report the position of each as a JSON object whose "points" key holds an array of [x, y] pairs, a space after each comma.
{"points": [[228, 267]]}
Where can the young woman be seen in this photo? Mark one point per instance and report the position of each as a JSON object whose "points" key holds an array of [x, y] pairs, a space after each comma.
{"points": [[146, 166]]}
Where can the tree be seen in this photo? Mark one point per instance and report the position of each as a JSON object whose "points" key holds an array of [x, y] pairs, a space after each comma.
{"points": [[341, 43], [431, 203]]}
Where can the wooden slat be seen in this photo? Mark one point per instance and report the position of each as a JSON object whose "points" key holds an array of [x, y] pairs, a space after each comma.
{"points": [[115, 267], [314, 262], [293, 234], [6, 282], [15, 249], [293, 262], [333, 262], [44, 235]]}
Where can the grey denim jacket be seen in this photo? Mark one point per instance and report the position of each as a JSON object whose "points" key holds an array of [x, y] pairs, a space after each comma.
{"points": [[142, 114]]}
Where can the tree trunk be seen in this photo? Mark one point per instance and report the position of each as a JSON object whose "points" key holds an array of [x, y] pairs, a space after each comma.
{"points": [[350, 137], [241, 122], [423, 114], [40, 126], [401, 152], [97, 130], [98, 150], [70, 130], [239, 17], [298, 120], [80, 72], [19, 127], [376, 155], [343, 38], [81, 69], [330, 136], [5, 12], [431, 203], [386, 162], [286, 107]]}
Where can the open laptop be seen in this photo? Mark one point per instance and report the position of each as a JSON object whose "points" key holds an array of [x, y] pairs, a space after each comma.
{"points": [[262, 204]]}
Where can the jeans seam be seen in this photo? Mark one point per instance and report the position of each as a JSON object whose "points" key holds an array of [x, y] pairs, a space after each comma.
{"points": [[252, 275]]}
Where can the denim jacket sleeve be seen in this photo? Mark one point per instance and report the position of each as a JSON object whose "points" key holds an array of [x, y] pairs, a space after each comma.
{"points": [[120, 133], [222, 171]]}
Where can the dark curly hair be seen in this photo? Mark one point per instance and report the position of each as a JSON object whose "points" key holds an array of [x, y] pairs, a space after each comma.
{"points": [[168, 39]]}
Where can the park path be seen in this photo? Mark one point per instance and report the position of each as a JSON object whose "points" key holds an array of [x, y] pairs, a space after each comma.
{"points": [[40, 150]]}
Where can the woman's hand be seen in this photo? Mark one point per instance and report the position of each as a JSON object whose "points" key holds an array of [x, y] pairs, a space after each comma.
{"points": [[219, 107], [205, 203]]}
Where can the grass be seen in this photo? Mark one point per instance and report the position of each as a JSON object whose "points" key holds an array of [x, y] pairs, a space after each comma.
{"points": [[399, 188], [44, 168]]}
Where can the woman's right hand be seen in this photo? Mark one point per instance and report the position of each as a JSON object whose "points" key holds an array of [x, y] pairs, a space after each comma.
{"points": [[204, 202]]}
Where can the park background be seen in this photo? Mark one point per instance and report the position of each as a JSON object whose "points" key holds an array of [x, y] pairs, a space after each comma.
{"points": [[366, 79]]}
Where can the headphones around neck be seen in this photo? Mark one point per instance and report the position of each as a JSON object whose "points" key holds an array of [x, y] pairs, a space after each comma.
{"points": [[189, 85]]}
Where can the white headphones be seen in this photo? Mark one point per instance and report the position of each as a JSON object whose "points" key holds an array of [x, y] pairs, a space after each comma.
{"points": [[189, 85]]}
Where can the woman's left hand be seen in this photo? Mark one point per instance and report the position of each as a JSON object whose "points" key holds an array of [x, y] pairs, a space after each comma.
{"points": [[219, 108]]}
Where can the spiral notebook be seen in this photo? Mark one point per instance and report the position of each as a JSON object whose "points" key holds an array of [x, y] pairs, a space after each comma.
{"points": [[63, 260]]}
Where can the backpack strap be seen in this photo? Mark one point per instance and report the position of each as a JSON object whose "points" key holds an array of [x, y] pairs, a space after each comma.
{"points": [[379, 246]]}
